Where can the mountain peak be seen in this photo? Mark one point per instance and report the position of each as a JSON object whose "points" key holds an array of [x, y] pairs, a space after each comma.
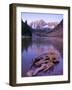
{"points": [[40, 24]]}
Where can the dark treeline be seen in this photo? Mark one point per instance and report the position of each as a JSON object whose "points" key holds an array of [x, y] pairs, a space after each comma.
{"points": [[26, 30]]}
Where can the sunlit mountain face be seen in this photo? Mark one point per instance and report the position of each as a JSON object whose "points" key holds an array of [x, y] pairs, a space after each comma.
{"points": [[41, 24]]}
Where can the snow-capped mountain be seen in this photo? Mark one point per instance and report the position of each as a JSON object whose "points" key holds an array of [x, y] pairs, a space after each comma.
{"points": [[41, 24]]}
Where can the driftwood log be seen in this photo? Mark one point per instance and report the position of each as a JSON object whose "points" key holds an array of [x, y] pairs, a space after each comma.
{"points": [[44, 62]]}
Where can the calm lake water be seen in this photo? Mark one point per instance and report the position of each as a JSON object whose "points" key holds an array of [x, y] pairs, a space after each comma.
{"points": [[33, 47]]}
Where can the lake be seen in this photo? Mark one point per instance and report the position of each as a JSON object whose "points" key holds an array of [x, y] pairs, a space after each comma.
{"points": [[33, 47]]}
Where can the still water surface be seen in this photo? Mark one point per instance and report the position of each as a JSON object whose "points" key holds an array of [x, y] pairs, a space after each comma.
{"points": [[32, 48]]}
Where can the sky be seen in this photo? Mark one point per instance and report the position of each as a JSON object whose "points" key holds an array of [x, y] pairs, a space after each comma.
{"points": [[47, 17]]}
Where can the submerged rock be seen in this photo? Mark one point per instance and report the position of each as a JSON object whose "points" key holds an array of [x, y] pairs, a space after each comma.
{"points": [[44, 62]]}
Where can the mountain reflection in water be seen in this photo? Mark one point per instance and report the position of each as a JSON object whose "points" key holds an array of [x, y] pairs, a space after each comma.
{"points": [[32, 48]]}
